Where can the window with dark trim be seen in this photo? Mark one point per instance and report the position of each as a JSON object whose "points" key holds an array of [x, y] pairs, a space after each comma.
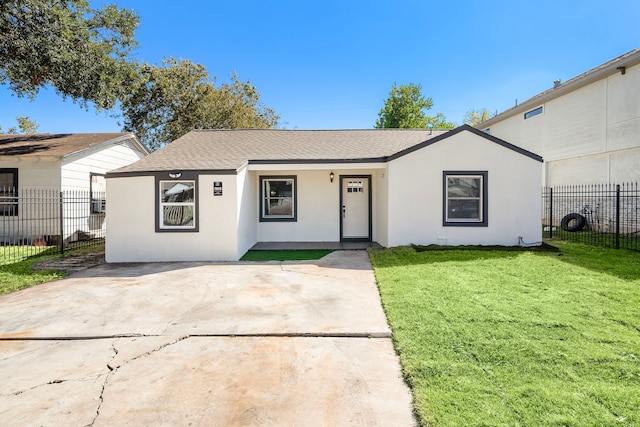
{"points": [[8, 191], [278, 198], [97, 189], [533, 113], [465, 198], [176, 203]]}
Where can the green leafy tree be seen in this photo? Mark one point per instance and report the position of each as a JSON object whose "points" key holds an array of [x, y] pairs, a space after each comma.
{"points": [[439, 121], [179, 96], [25, 125], [83, 53], [475, 117], [406, 108]]}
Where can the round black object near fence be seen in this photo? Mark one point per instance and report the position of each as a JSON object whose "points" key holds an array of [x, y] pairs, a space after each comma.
{"points": [[573, 222]]}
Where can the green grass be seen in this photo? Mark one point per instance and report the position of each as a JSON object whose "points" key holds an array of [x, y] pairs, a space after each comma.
{"points": [[607, 240], [285, 255], [19, 275], [505, 338], [12, 254]]}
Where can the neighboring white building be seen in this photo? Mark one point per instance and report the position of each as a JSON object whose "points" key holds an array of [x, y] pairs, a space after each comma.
{"points": [[36, 166], [587, 128], [64, 161], [213, 194]]}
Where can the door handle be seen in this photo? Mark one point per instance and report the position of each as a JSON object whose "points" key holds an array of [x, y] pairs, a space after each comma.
{"points": [[344, 211]]}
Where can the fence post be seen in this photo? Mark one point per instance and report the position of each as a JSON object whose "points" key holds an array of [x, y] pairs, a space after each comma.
{"points": [[618, 216], [61, 223], [550, 212]]}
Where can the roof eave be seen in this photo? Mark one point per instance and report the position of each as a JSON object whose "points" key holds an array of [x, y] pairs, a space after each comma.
{"points": [[474, 131], [629, 59], [317, 161], [146, 173]]}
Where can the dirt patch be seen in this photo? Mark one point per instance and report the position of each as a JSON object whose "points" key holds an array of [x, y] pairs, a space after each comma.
{"points": [[72, 263]]}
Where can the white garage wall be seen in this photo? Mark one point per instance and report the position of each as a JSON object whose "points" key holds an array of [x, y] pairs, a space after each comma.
{"points": [[381, 206], [247, 198], [131, 234], [416, 194]]}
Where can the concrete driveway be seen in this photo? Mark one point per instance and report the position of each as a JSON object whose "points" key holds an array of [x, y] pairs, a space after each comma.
{"points": [[224, 344]]}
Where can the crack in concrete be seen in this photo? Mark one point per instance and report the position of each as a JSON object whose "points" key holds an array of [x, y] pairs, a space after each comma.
{"points": [[114, 369], [104, 385], [57, 381], [154, 350]]}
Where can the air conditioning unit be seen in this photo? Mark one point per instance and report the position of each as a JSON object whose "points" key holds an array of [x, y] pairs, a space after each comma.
{"points": [[98, 205]]}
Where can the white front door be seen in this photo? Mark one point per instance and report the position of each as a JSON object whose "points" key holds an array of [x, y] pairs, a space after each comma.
{"points": [[355, 215]]}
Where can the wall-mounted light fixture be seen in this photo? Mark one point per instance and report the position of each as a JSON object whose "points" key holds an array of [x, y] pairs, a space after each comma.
{"points": [[622, 70], [331, 176], [175, 175]]}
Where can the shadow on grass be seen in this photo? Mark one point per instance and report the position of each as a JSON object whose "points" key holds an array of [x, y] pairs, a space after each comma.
{"points": [[416, 255], [624, 264]]}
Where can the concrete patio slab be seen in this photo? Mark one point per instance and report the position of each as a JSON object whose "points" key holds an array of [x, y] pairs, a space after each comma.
{"points": [[228, 344]]}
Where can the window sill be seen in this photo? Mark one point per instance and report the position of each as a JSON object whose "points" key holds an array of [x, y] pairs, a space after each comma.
{"points": [[262, 219], [465, 224]]}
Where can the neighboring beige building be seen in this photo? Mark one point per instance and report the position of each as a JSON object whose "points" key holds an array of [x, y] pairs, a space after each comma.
{"points": [[587, 129], [213, 194]]}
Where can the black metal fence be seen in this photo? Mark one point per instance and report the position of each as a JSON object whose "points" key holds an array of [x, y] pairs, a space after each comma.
{"points": [[38, 221], [598, 214]]}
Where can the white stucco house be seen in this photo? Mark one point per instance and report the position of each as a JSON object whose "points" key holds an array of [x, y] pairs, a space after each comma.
{"points": [[37, 167], [587, 128], [214, 194]]}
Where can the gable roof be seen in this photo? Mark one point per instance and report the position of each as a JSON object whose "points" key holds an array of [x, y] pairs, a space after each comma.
{"points": [[600, 72], [58, 145], [229, 150]]}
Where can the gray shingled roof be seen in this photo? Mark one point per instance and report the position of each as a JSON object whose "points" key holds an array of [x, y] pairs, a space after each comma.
{"points": [[46, 144], [231, 149]]}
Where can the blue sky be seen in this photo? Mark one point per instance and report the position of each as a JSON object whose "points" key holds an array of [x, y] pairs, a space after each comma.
{"points": [[330, 64]]}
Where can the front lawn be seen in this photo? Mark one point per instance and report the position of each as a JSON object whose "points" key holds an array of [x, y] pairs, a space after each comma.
{"points": [[504, 338], [16, 275], [20, 275]]}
